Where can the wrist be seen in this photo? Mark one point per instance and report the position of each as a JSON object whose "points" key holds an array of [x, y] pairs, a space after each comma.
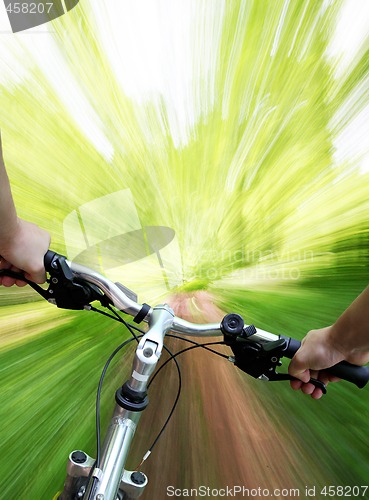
{"points": [[8, 231], [343, 338]]}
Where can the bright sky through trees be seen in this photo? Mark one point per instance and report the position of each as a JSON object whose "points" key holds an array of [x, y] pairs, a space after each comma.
{"points": [[142, 72]]}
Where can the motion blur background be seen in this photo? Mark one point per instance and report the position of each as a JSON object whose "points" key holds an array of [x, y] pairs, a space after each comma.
{"points": [[241, 128]]}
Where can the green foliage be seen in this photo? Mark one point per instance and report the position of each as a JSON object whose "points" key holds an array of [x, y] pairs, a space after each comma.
{"points": [[265, 215]]}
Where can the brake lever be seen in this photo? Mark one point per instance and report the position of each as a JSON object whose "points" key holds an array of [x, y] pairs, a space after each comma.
{"points": [[21, 277], [257, 359], [273, 376], [63, 291]]}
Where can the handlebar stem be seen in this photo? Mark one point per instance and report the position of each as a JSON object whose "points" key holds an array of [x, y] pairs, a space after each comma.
{"points": [[150, 347]]}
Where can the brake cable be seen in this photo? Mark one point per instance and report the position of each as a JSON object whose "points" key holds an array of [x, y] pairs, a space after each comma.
{"points": [[130, 327]]}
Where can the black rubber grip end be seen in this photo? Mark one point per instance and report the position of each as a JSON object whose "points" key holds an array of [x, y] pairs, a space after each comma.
{"points": [[358, 375]]}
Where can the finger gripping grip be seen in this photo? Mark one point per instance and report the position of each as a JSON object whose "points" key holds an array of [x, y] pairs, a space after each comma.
{"points": [[358, 375]]}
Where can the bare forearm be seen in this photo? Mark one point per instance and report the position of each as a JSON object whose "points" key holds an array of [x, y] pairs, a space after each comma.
{"points": [[22, 244], [8, 215], [351, 331]]}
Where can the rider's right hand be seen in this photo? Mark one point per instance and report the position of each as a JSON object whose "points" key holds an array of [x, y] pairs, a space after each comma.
{"points": [[321, 349]]}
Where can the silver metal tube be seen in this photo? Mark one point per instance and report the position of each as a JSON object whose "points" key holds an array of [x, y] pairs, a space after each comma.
{"points": [[115, 450], [149, 349], [122, 302], [195, 330]]}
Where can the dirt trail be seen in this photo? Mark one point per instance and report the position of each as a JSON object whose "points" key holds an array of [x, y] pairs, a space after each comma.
{"points": [[220, 434]]}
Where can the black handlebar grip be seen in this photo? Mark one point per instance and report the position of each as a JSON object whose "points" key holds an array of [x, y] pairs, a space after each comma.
{"points": [[358, 375]]}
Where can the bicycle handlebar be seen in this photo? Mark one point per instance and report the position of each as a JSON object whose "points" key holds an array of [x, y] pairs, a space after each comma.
{"points": [[358, 375], [244, 344]]}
